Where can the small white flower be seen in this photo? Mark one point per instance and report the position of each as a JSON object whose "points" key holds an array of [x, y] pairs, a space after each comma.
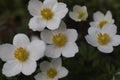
{"points": [[79, 13], [104, 39], [100, 19], [47, 14], [60, 41], [21, 56], [51, 71]]}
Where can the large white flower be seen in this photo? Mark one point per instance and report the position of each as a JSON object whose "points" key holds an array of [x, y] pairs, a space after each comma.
{"points": [[60, 41], [47, 14], [101, 20], [79, 13], [21, 56], [104, 39], [51, 71]]}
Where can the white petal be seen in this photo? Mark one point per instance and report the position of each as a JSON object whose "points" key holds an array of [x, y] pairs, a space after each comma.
{"points": [[61, 28], [115, 40], [60, 10], [92, 40], [50, 3], [36, 49], [34, 37], [70, 50], [98, 16], [71, 35], [7, 52], [34, 7], [73, 15], [77, 8], [63, 72], [53, 51], [46, 35], [44, 65], [36, 24], [21, 40], [94, 24], [84, 9], [93, 30], [108, 17], [105, 49], [11, 68], [28, 67], [40, 76], [57, 63], [53, 23], [111, 29]]}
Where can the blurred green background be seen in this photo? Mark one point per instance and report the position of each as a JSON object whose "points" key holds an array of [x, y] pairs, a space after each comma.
{"points": [[89, 63]]}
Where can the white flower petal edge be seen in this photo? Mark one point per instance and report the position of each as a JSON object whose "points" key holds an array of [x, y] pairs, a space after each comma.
{"points": [[70, 50], [21, 40], [71, 34], [6, 52], [22, 55], [54, 66], [11, 68], [116, 40], [40, 76], [36, 24], [108, 17], [63, 72], [105, 49], [34, 7], [29, 66], [52, 51], [36, 49]]}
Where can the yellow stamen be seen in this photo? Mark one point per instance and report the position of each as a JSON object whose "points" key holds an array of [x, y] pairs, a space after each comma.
{"points": [[46, 13], [51, 73], [81, 15], [21, 54], [102, 23], [59, 40], [103, 38]]}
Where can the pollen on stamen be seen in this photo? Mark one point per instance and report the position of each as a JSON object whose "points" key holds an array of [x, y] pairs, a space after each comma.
{"points": [[81, 15], [59, 40], [21, 54], [103, 38], [46, 13], [102, 23], [51, 73]]}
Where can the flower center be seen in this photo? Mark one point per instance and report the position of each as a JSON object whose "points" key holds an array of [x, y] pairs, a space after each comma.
{"points": [[46, 13], [81, 15], [21, 54], [51, 73], [59, 40], [103, 38], [102, 23]]}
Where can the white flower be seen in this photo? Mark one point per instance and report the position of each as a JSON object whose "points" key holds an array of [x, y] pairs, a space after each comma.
{"points": [[79, 13], [60, 41], [51, 71], [47, 14], [21, 56], [104, 39], [101, 20]]}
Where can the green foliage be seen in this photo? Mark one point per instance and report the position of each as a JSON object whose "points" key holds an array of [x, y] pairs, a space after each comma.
{"points": [[89, 63]]}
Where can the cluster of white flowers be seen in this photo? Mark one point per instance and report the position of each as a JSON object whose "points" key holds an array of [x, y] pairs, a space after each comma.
{"points": [[102, 33], [56, 40]]}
